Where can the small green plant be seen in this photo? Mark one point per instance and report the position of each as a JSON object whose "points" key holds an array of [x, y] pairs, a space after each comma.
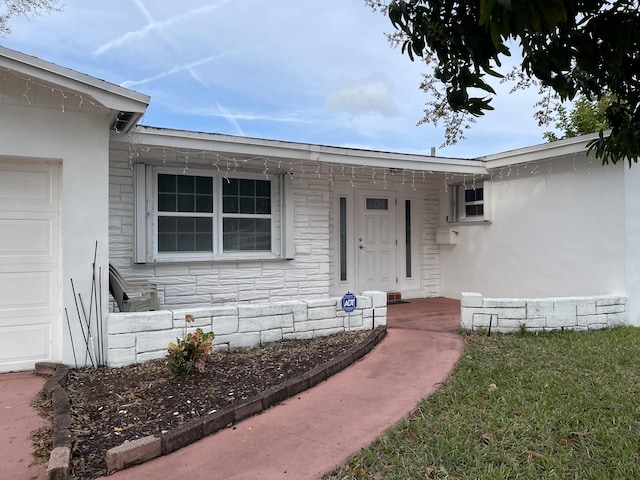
{"points": [[189, 351], [523, 329]]}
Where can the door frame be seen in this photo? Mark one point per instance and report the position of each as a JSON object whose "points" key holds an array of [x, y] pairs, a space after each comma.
{"points": [[361, 209], [353, 209]]}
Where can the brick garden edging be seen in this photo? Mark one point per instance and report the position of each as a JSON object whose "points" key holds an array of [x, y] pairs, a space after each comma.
{"points": [[60, 458], [147, 448]]}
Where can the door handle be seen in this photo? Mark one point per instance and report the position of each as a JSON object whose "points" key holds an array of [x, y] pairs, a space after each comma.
{"points": [[361, 247]]}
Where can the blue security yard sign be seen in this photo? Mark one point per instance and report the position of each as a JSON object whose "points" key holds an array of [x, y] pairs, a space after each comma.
{"points": [[349, 302]]}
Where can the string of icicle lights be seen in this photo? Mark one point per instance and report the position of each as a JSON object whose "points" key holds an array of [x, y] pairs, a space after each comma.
{"points": [[31, 90], [28, 90], [230, 165], [385, 177]]}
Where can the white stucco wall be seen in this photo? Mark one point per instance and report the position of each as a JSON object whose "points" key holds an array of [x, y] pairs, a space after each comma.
{"points": [[557, 230], [632, 241], [46, 126]]}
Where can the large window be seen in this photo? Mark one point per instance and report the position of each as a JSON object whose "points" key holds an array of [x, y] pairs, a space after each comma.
{"points": [[210, 215], [200, 215]]}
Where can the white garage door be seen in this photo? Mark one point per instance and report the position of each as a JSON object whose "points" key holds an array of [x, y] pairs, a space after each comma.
{"points": [[29, 264]]}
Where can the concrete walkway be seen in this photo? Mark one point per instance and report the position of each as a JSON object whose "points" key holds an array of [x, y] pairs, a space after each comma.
{"points": [[17, 421], [312, 433], [302, 438]]}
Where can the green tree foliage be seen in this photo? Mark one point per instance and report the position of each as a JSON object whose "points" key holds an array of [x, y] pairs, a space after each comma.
{"points": [[586, 117], [12, 8], [587, 48]]}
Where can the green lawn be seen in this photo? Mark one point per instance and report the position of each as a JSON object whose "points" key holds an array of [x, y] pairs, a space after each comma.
{"points": [[562, 405]]}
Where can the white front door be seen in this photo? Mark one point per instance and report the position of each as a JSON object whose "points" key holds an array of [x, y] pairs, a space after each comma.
{"points": [[29, 264], [376, 241]]}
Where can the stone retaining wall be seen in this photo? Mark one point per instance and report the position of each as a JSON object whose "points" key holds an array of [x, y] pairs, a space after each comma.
{"points": [[507, 315], [141, 336]]}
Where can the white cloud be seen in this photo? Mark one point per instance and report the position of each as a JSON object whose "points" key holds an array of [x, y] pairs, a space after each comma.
{"points": [[316, 71], [373, 96]]}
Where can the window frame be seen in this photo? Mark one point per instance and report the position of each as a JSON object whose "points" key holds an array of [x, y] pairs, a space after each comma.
{"points": [[251, 216], [217, 252], [209, 213], [343, 239], [339, 285], [408, 243], [475, 202], [458, 203]]}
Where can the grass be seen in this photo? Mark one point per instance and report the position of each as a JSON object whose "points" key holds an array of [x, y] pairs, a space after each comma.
{"points": [[552, 406]]}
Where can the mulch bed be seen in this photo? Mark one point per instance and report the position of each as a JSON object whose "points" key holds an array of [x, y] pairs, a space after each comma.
{"points": [[110, 406]]}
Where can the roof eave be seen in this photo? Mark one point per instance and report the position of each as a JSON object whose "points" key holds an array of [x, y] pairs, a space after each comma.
{"points": [[292, 151], [113, 97], [535, 153]]}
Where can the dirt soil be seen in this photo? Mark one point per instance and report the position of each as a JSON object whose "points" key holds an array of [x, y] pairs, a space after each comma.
{"points": [[110, 406]]}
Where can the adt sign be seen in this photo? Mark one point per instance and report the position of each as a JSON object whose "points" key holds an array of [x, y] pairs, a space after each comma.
{"points": [[349, 302]]}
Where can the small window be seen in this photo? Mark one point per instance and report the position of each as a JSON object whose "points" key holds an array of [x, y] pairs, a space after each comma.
{"points": [[473, 202], [343, 239], [467, 203], [407, 236], [377, 204]]}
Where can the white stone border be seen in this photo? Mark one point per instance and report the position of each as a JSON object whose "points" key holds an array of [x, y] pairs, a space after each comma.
{"points": [[507, 315], [141, 336]]}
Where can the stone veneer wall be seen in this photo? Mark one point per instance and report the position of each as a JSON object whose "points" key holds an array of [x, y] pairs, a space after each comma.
{"points": [[182, 284], [309, 274], [507, 315], [429, 249], [141, 336]]}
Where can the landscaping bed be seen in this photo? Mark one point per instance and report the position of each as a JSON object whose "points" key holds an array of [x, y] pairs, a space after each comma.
{"points": [[111, 406]]}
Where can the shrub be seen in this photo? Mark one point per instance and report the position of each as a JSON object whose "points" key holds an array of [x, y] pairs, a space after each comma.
{"points": [[189, 351]]}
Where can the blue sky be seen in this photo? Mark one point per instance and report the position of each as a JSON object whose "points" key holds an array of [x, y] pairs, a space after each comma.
{"points": [[312, 71]]}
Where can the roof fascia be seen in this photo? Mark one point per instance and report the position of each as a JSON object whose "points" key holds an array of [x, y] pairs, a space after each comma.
{"points": [[536, 153], [109, 95], [291, 151]]}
